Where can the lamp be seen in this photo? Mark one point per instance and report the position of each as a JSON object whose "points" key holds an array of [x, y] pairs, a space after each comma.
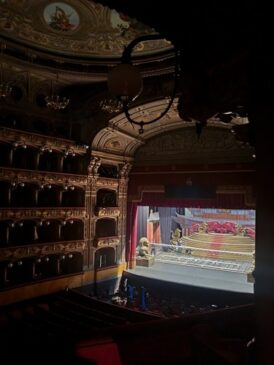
{"points": [[54, 101], [126, 84]]}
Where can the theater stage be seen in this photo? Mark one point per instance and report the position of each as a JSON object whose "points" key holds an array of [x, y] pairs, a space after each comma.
{"points": [[200, 272]]}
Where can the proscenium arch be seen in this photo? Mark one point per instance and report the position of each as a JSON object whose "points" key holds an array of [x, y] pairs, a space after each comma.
{"points": [[122, 138]]}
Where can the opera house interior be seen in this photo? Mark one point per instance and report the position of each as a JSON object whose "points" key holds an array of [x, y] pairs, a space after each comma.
{"points": [[136, 183]]}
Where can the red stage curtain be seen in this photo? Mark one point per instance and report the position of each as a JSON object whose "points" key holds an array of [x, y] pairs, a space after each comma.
{"points": [[131, 233]]}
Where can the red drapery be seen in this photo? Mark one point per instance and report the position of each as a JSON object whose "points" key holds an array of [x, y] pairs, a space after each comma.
{"points": [[131, 233]]}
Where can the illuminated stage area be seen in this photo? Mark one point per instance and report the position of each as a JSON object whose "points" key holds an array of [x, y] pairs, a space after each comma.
{"points": [[223, 275], [209, 248]]}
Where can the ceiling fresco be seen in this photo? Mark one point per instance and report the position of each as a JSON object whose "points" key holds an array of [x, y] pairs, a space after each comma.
{"points": [[75, 28]]}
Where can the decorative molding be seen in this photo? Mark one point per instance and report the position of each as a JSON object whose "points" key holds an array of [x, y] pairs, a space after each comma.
{"points": [[125, 170], [40, 141], [42, 178], [107, 212], [106, 241], [95, 30], [104, 182], [42, 213], [13, 253], [93, 166], [215, 145]]}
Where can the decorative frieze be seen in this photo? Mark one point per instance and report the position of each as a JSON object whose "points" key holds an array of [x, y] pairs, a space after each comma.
{"points": [[106, 241], [107, 183], [42, 213], [42, 178], [13, 253], [39, 141], [107, 211]]}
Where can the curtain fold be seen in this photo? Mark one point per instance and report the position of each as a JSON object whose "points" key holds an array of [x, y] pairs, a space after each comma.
{"points": [[131, 234], [165, 216]]}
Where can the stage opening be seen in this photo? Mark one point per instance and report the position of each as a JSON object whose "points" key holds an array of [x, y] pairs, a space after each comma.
{"points": [[213, 248]]}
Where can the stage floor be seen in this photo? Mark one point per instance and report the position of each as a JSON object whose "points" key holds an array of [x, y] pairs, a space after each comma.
{"points": [[216, 274]]}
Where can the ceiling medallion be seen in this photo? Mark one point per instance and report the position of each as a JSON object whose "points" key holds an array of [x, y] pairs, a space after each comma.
{"points": [[61, 17]]}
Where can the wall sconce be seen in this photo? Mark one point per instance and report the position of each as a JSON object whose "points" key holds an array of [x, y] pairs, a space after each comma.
{"points": [[126, 84]]}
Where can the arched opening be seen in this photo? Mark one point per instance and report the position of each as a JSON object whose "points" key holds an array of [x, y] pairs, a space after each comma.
{"points": [[110, 171], [105, 257], [73, 197], [49, 161], [106, 198], [46, 266], [74, 164], [72, 230], [48, 231], [21, 233], [71, 262], [23, 195], [25, 157], [5, 154], [49, 196], [5, 193], [4, 233], [19, 271], [105, 227]]}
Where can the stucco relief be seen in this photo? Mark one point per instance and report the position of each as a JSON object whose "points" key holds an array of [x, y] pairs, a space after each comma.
{"points": [[183, 146], [42, 213], [75, 26], [41, 249]]}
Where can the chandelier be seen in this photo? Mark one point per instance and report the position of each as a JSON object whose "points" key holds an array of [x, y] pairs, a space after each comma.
{"points": [[55, 101], [126, 84], [111, 105]]}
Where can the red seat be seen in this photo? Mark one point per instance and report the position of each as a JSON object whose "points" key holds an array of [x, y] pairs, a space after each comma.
{"points": [[99, 352]]}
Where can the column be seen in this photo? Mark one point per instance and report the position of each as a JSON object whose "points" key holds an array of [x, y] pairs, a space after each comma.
{"points": [[262, 115]]}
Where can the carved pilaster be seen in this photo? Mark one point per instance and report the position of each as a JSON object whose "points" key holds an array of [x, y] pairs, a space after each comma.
{"points": [[93, 166]]}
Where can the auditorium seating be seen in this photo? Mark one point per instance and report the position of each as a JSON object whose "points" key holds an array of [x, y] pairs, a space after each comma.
{"points": [[70, 328]]}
